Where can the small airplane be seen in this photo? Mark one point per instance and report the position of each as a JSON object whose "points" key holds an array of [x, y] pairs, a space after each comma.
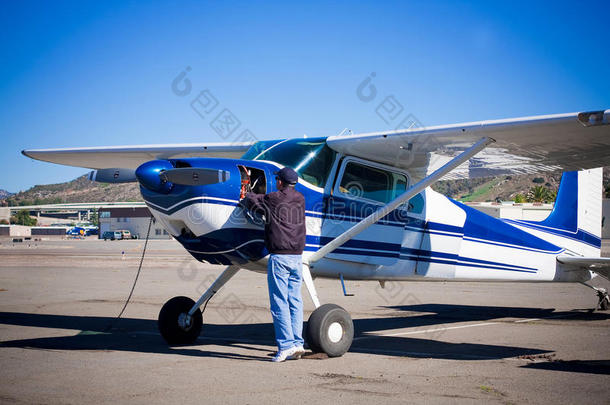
{"points": [[370, 211]]}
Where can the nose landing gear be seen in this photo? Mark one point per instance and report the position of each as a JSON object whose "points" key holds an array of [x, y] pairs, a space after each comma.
{"points": [[180, 319], [176, 325]]}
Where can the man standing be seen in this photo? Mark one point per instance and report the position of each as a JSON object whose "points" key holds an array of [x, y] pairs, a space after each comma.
{"points": [[285, 231]]}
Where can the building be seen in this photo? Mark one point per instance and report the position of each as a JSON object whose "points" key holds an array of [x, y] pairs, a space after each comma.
{"points": [[510, 210], [15, 231], [48, 231], [5, 214], [133, 219]]}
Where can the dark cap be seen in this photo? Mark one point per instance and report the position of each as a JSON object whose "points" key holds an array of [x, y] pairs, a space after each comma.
{"points": [[287, 175]]}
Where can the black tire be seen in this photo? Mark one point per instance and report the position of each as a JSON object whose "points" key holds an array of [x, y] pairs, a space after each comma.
{"points": [[603, 305], [319, 325], [168, 325]]}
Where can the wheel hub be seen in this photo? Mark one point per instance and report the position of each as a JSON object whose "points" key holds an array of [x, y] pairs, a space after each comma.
{"points": [[184, 321], [335, 332]]}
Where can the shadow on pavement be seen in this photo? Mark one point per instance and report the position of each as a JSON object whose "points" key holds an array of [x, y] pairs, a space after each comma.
{"points": [[432, 315], [574, 366], [141, 335]]}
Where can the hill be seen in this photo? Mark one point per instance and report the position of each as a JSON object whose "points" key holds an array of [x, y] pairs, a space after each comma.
{"points": [[499, 188], [77, 190], [4, 194]]}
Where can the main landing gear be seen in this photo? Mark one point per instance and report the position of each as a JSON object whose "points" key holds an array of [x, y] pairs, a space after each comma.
{"points": [[329, 329], [603, 297]]}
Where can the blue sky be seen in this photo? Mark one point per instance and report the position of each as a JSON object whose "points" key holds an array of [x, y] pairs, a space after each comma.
{"points": [[100, 73]]}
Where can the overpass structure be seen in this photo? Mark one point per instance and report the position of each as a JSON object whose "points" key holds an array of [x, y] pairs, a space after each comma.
{"points": [[77, 210]]}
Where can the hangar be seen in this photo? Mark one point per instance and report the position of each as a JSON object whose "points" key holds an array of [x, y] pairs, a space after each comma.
{"points": [[134, 219]]}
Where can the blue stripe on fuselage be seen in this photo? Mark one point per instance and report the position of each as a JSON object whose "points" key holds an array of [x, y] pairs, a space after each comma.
{"points": [[578, 235], [479, 225]]}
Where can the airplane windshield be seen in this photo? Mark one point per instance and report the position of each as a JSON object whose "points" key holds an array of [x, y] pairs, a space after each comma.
{"points": [[309, 157]]}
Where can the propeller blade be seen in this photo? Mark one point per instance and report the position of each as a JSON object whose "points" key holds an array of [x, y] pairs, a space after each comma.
{"points": [[113, 176], [194, 176]]}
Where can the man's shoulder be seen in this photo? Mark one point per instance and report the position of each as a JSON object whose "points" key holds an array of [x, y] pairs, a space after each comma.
{"points": [[274, 194], [286, 194]]}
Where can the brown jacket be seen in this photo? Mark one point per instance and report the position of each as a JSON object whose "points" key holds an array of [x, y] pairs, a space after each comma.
{"points": [[284, 211]]}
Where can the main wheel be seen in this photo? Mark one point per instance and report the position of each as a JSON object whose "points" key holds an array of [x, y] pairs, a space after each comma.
{"points": [[330, 330], [173, 324]]}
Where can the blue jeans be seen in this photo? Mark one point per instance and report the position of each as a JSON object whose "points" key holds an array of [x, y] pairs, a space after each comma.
{"points": [[284, 277]]}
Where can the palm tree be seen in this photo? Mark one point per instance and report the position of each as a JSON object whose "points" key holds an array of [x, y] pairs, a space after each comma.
{"points": [[540, 194]]}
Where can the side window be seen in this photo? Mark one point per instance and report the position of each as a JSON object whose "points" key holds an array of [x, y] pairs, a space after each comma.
{"points": [[372, 183]]}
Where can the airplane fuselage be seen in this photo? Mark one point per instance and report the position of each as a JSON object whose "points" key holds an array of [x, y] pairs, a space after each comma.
{"points": [[433, 237]]}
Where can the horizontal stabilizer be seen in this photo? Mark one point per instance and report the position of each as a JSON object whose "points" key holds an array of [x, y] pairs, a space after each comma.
{"points": [[599, 265]]}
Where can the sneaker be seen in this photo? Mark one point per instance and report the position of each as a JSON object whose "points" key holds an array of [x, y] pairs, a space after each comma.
{"points": [[298, 352], [282, 355]]}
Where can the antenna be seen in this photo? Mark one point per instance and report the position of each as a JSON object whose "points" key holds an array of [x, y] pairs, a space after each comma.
{"points": [[346, 131]]}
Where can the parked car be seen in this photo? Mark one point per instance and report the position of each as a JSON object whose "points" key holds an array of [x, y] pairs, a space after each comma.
{"points": [[125, 234], [119, 234], [112, 235]]}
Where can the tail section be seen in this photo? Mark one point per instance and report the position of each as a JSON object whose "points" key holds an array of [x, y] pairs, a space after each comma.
{"points": [[577, 214]]}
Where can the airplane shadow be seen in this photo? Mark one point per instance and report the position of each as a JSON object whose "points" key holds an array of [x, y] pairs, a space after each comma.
{"points": [[574, 366], [421, 315], [141, 335], [426, 318]]}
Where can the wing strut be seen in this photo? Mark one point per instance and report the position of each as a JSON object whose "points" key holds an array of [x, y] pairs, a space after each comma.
{"points": [[389, 207]]}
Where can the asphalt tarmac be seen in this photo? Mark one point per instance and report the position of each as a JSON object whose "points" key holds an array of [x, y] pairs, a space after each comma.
{"points": [[432, 342]]}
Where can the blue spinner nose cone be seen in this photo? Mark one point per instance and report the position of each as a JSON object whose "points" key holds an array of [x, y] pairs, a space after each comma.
{"points": [[148, 176]]}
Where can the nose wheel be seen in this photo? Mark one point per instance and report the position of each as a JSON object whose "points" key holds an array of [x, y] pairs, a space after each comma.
{"points": [[176, 325], [330, 330]]}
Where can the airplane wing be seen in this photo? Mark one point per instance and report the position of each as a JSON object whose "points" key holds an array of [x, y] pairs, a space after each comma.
{"points": [[572, 141], [130, 157], [599, 265]]}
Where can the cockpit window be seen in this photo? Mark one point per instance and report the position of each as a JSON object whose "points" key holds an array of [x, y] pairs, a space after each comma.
{"points": [[258, 148], [371, 182], [311, 158]]}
